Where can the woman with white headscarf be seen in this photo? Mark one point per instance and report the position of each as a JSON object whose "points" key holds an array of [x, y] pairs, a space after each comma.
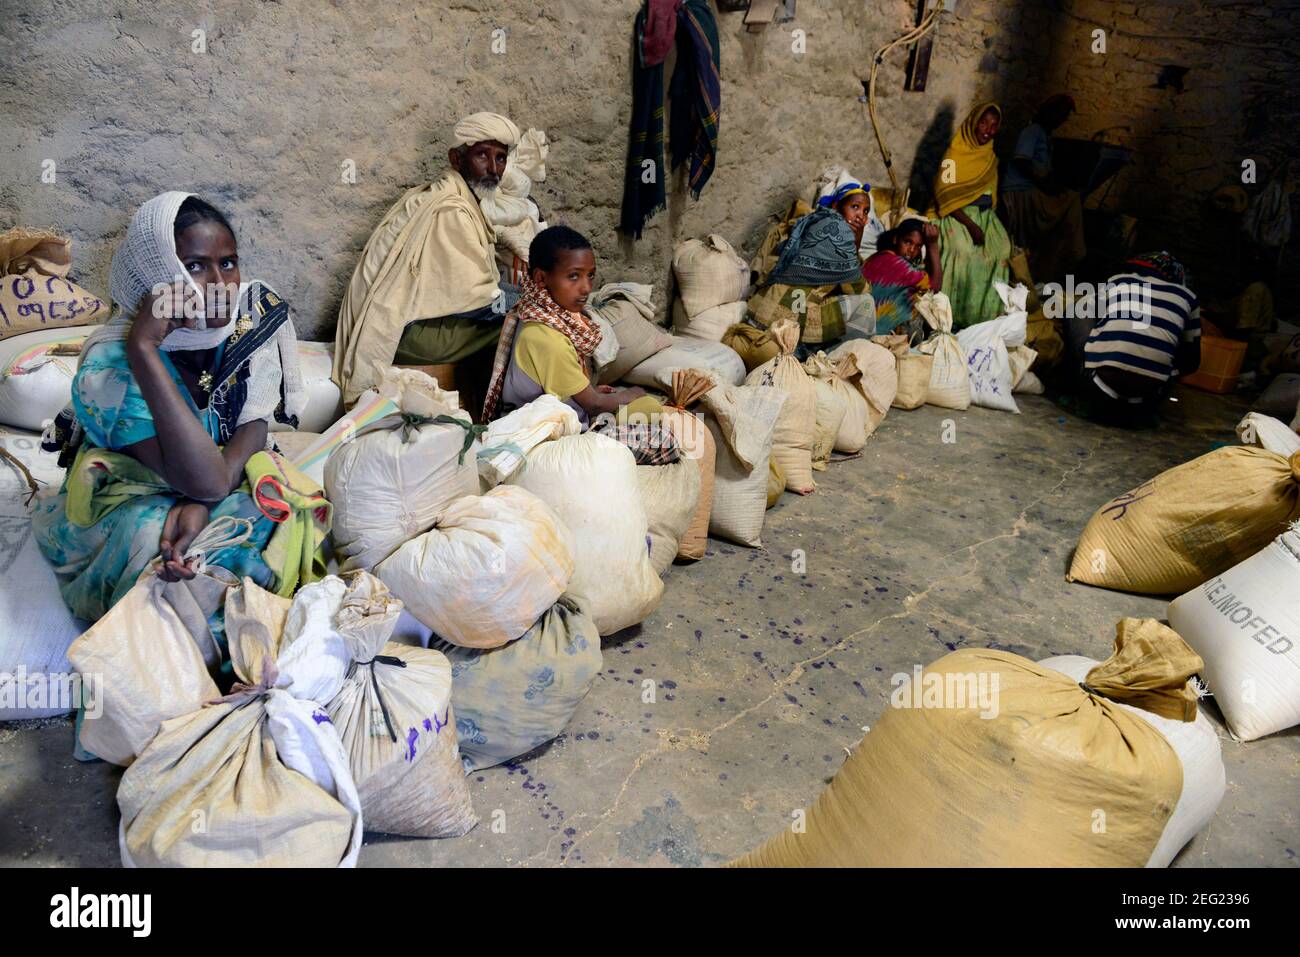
{"points": [[171, 399]]}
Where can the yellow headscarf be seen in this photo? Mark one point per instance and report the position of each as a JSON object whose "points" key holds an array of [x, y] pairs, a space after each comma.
{"points": [[973, 169]]}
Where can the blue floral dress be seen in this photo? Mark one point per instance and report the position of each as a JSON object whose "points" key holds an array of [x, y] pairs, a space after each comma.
{"points": [[97, 564]]}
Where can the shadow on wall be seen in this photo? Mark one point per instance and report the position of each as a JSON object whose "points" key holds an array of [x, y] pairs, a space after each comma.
{"points": [[929, 152]]}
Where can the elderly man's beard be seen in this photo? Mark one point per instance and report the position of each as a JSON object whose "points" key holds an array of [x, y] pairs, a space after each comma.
{"points": [[486, 187]]}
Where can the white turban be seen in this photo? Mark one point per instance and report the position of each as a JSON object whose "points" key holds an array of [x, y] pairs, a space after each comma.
{"points": [[478, 127]]}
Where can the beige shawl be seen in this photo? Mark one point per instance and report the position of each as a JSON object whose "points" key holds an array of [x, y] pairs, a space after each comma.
{"points": [[432, 255]]}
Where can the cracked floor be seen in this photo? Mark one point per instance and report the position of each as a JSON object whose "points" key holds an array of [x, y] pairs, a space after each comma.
{"points": [[765, 675]]}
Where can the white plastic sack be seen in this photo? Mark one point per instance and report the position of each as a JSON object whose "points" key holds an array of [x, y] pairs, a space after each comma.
{"points": [[669, 494], [35, 383], [483, 574], [1245, 624], [1197, 745], [1268, 433], [509, 439], [742, 420], [949, 378], [324, 402], [687, 353], [709, 324], [590, 482], [986, 345]]}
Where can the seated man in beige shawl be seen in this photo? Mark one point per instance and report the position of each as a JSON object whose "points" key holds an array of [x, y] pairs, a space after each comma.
{"points": [[426, 291]]}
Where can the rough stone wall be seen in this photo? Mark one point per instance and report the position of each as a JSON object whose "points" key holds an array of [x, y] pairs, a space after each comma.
{"points": [[287, 91], [111, 91]]}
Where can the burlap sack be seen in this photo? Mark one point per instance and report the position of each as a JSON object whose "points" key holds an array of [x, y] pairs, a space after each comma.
{"points": [[831, 409], [394, 718], [775, 483], [669, 495], [914, 370], [742, 420], [792, 441], [638, 337], [1189, 523], [711, 324], [709, 273], [876, 379], [949, 378], [153, 656], [258, 778], [754, 346], [852, 433], [696, 442], [1013, 778], [35, 292]]}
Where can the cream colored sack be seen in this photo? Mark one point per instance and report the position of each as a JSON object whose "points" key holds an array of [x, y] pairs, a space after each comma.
{"points": [[486, 571], [696, 442], [394, 718], [792, 440], [831, 409], [153, 656], [509, 439], [949, 377], [262, 768], [852, 432], [914, 370], [590, 482], [742, 421], [1189, 523], [709, 273], [961, 771], [669, 494], [877, 379], [711, 324]]}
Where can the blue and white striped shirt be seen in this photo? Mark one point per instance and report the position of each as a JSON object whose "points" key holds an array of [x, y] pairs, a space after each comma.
{"points": [[1141, 324]]}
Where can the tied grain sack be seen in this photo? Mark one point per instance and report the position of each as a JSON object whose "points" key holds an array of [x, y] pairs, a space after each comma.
{"points": [[693, 437], [876, 378], [153, 656], [851, 434], [513, 699], [590, 482], [949, 378], [1268, 433], [832, 407], [262, 767], [754, 346], [709, 274], [35, 292], [1189, 523], [509, 439], [914, 370], [775, 483], [792, 440], [711, 324], [1245, 623], [396, 476], [742, 420], [628, 310], [669, 495], [394, 717], [483, 574], [987, 759]]}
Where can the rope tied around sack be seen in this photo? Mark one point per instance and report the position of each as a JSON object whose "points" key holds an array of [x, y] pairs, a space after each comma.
{"points": [[1149, 669], [374, 679], [411, 421], [240, 692]]}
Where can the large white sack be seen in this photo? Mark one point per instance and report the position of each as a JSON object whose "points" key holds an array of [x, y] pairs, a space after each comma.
{"points": [[1267, 432], [949, 378], [852, 432], [709, 324], [391, 483], [669, 494], [742, 419], [508, 440], [36, 382], [986, 345], [832, 407], [486, 571], [590, 482], [1197, 745], [324, 402], [1245, 624], [709, 272], [687, 353], [36, 627]]}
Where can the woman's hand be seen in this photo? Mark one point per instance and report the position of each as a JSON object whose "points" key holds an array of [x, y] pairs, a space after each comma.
{"points": [[159, 314], [930, 234], [976, 234], [606, 389], [183, 524]]}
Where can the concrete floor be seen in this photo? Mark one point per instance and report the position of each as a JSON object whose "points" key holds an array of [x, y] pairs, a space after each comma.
{"points": [[766, 676]]}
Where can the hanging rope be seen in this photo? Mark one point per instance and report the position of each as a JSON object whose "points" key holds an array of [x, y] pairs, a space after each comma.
{"points": [[928, 23]]}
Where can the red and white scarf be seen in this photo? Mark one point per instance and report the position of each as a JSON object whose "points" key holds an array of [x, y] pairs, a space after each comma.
{"points": [[536, 305]]}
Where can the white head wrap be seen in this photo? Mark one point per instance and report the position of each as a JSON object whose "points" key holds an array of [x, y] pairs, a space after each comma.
{"points": [[478, 127]]}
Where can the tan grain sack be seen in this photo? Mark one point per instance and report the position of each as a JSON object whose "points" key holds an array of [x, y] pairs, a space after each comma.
{"points": [[483, 574], [852, 433], [696, 442], [914, 370], [35, 292], [590, 482], [709, 273], [987, 759], [626, 307], [394, 718], [792, 441], [742, 420], [949, 378], [1189, 523], [775, 483], [669, 495], [877, 377], [831, 407], [711, 324], [754, 346]]}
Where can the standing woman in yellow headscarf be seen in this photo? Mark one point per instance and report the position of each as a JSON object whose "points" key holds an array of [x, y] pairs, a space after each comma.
{"points": [[973, 243]]}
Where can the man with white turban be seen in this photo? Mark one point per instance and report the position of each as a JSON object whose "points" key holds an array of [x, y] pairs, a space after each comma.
{"points": [[426, 291]]}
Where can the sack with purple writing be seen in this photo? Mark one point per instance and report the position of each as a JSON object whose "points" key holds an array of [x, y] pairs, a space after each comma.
{"points": [[35, 292]]}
